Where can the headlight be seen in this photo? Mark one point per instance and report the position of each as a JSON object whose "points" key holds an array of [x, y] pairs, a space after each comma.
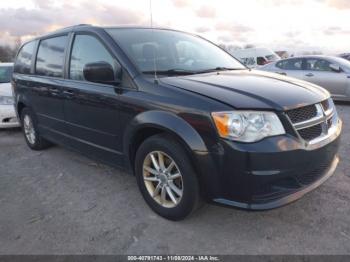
{"points": [[247, 126], [6, 100]]}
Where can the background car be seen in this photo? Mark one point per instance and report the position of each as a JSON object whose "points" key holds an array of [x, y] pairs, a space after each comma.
{"points": [[345, 56], [8, 116], [331, 73], [253, 57]]}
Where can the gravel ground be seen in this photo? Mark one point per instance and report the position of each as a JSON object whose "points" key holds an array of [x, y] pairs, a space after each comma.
{"points": [[59, 202]]}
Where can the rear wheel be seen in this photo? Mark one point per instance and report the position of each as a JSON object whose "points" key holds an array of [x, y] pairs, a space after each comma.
{"points": [[166, 178], [30, 130]]}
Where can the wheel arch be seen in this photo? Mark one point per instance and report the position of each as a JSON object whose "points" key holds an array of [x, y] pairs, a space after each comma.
{"points": [[151, 123], [21, 103], [20, 107]]}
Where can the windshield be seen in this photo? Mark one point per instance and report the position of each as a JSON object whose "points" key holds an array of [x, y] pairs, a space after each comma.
{"points": [[272, 57], [5, 74], [174, 51], [343, 63]]}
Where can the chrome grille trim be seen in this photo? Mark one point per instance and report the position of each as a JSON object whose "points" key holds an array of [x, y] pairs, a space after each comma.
{"points": [[323, 117], [319, 118]]}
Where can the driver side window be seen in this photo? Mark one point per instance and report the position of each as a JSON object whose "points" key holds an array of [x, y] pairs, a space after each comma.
{"points": [[316, 64], [87, 49]]}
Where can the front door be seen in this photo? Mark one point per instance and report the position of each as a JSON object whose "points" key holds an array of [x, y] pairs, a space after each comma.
{"points": [[319, 72], [91, 109]]}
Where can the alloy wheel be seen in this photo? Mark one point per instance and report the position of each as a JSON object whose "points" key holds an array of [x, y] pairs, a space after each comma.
{"points": [[163, 179], [29, 130]]}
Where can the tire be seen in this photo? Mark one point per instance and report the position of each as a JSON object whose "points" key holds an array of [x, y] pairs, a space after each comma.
{"points": [[182, 175], [32, 136]]}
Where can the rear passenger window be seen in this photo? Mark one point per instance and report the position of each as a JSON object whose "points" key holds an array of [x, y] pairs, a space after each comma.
{"points": [[87, 49], [24, 58], [290, 64], [50, 57]]}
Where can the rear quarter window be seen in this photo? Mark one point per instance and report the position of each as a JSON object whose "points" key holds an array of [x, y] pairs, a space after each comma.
{"points": [[24, 58], [50, 56]]}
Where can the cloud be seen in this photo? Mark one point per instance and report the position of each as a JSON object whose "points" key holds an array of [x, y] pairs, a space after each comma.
{"points": [[202, 29], [43, 3], [232, 38], [292, 34], [181, 3], [46, 17], [262, 22], [206, 11], [335, 30], [281, 3], [230, 32], [339, 4], [232, 27]]}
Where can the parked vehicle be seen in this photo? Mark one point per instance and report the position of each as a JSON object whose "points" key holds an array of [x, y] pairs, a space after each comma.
{"points": [[345, 56], [254, 57], [332, 73], [8, 118], [189, 120]]}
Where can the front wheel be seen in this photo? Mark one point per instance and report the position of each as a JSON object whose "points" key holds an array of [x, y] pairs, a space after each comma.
{"points": [[166, 177]]}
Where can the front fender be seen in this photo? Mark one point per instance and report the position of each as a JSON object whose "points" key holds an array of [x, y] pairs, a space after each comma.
{"points": [[168, 122]]}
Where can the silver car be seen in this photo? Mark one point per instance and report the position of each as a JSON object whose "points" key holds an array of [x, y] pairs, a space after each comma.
{"points": [[331, 73]]}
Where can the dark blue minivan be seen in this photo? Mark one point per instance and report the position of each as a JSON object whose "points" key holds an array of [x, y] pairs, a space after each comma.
{"points": [[185, 117]]}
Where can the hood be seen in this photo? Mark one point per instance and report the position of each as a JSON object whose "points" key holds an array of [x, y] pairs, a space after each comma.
{"points": [[251, 89], [5, 89]]}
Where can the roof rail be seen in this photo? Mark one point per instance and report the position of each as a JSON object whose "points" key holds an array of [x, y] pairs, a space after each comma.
{"points": [[72, 26]]}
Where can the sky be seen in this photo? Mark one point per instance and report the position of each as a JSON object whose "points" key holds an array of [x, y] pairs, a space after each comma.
{"points": [[293, 25]]}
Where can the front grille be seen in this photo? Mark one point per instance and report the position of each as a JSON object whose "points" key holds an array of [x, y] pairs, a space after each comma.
{"points": [[286, 185], [325, 105], [275, 189], [313, 121], [302, 114], [310, 133]]}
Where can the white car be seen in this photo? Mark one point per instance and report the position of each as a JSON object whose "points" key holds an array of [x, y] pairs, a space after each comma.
{"points": [[8, 118], [255, 57]]}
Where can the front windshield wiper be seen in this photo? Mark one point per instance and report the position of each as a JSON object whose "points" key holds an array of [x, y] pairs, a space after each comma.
{"points": [[190, 72], [219, 68], [171, 72]]}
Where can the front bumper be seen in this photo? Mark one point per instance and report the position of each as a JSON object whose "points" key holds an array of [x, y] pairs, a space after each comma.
{"points": [[8, 117], [274, 171]]}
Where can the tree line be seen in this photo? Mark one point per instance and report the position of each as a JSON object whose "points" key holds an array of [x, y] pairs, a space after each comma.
{"points": [[8, 52]]}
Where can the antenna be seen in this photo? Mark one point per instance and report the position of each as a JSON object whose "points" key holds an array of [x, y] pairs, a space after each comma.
{"points": [[154, 53]]}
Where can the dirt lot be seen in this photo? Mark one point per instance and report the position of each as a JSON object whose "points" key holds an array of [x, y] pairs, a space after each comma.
{"points": [[59, 202]]}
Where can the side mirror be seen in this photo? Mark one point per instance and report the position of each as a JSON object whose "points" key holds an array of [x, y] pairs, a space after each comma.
{"points": [[100, 72], [335, 68]]}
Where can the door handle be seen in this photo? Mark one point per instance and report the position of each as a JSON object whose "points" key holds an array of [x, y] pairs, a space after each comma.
{"points": [[282, 73], [309, 74], [68, 92]]}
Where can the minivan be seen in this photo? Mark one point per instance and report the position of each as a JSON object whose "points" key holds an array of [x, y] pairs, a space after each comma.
{"points": [[191, 122]]}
